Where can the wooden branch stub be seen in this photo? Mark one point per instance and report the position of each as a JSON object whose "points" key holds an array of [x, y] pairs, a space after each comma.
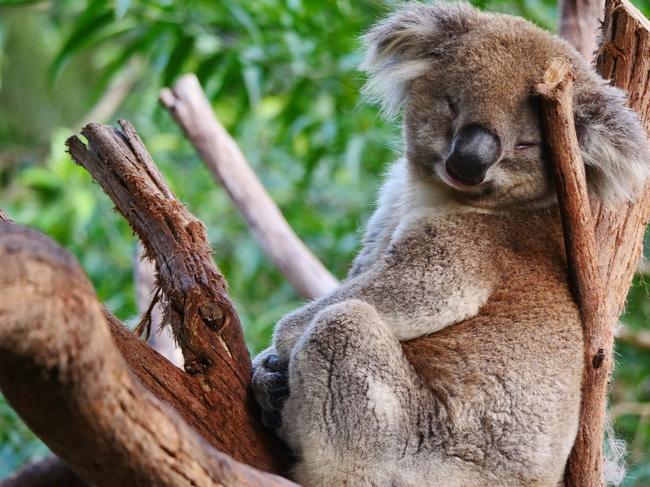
{"points": [[585, 465], [192, 111], [196, 304], [202, 316], [57, 355]]}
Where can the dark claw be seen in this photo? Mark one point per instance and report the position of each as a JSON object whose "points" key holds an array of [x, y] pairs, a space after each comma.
{"points": [[274, 364]]}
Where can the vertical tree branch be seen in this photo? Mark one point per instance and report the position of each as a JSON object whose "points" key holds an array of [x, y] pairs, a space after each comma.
{"points": [[603, 255], [586, 462]]}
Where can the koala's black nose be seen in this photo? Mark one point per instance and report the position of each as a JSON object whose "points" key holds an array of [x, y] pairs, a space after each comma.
{"points": [[473, 150]]}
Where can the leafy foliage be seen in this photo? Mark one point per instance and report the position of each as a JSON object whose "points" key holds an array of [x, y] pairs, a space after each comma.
{"points": [[282, 77]]}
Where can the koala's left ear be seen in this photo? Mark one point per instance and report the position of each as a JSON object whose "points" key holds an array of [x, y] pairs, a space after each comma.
{"points": [[400, 48], [612, 141]]}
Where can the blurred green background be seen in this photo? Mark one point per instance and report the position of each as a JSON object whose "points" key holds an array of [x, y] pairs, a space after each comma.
{"points": [[281, 76]]}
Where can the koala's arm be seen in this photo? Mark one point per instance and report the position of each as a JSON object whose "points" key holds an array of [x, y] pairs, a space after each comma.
{"points": [[420, 283]]}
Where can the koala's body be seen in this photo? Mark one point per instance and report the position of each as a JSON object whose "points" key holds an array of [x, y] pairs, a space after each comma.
{"points": [[452, 353]]}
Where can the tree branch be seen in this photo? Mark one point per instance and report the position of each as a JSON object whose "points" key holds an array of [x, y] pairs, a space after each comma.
{"points": [[192, 111], [197, 306], [636, 338], [602, 252], [556, 90], [56, 352]]}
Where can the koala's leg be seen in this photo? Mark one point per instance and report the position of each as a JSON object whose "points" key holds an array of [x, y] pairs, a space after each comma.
{"points": [[354, 401]]}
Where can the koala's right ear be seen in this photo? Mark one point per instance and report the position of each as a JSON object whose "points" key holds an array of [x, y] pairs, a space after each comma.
{"points": [[400, 48], [613, 143]]}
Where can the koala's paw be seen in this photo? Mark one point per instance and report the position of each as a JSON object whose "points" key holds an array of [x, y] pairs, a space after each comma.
{"points": [[271, 389]]}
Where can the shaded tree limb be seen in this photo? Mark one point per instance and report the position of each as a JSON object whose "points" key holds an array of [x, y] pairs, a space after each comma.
{"points": [[56, 353], [636, 338], [192, 111], [197, 306]]}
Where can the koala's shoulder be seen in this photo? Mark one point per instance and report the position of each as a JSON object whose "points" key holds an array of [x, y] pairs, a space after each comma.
{"points": [[506, 238]]}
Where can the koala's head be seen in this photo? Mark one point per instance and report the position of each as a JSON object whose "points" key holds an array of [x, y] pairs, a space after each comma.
{"points": [[464, 81]]}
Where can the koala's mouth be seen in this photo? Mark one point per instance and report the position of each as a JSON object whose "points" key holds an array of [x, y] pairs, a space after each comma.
{"points": [[444, 176]]}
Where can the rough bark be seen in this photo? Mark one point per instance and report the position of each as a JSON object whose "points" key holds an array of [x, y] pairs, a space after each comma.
{"points": [[603, 247], [57, 356], [196, 303], [579, 23], [192, 111], [556, 91]]}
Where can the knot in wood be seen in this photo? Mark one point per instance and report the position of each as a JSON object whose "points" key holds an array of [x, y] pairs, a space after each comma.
{"points": [[598, 359]]}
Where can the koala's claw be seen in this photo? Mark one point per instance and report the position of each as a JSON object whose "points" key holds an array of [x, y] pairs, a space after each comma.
{"points": [[271, 388], [273, 362]]}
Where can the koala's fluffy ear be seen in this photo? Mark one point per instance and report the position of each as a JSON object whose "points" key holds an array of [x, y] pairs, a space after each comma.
{"points": [[400, 47], [613, 143]]}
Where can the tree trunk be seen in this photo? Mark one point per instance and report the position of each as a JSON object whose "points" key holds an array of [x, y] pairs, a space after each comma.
{"points": [[603, 252]]}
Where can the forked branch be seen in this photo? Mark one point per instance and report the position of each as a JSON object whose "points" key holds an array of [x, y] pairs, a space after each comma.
{"points": [[57, 354], [196, 303]]}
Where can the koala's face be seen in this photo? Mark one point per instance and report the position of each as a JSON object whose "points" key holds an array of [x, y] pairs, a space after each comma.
{"points": [[464, 81], [473, 126]]}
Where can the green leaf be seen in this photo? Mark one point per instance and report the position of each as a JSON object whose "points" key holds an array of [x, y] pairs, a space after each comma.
{"points": [[82, 35]]}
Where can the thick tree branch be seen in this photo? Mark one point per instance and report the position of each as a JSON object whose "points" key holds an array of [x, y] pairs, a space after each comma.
{"points": [[191, 109], [56, 353], [197, 306], [556, 91], [603, 252]]}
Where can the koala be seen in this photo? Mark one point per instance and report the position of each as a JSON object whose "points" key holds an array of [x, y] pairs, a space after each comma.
{"points": [[452, 354]]}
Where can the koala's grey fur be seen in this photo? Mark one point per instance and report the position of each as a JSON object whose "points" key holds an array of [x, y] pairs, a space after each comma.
{"points": [[452, 353]]}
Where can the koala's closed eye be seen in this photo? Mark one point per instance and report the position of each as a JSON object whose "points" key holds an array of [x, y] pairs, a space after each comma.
{"points": [[451, 106], [526, 145]]}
